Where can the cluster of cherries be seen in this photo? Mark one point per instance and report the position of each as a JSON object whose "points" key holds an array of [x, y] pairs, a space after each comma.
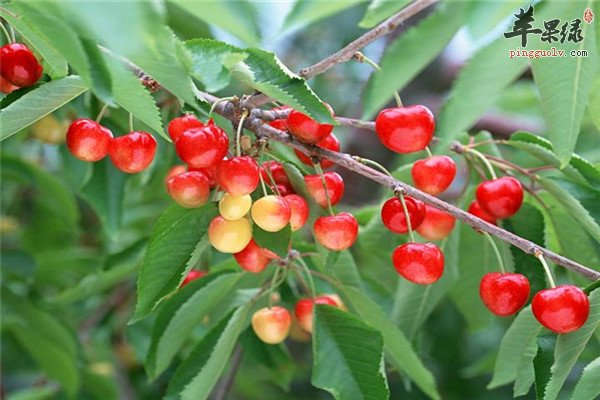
{"points": [[19, 68]]}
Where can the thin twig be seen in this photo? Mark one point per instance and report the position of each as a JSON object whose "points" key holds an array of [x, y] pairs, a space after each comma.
{"points": [[226, 383]]}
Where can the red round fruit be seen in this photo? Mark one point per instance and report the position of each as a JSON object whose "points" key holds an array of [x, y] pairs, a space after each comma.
{"points": [[306, 129], [436, 225], [18, 65], [562, 309], [7, 87], [304, 310], [504, 293], [434, 174], [189, 189], [299, 209], [210, 172], [336, 232], [181, 124], [405, 129], [330, 143], [392, 214], [88, 140], [500, 198], [334, 184], [134, 152], [275, 168], [475, 209], [272, 325], [192, 276], [174, 171], [284, 189], [238, 175], [253, 258], [421, 263], [281, 123], [202, 147]]}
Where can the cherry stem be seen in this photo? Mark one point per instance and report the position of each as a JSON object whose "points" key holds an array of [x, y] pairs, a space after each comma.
{"points": [[538, 254], [360, 57], [270, 175], [238, 134], [496, 250], [216, 103], [260, 177], [485, 161], [101, 113], [320, 172], [8, 37], [275, 282], [130, 122], [406, 215], [366, 161], [303, 265], [428, 150]]}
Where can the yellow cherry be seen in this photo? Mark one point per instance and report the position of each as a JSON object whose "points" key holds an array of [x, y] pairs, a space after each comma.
{"points": [[234, 207], [229, 236], [271, 213]]}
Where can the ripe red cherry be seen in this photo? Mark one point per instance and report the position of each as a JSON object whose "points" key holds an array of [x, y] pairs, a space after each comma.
{"points": [[334, 184], [189, 189], [421, 263], [18, 65], [202, 147], [500, 198], [434, 174], [174, 171], [330, 143], [210, 172], [336, 232], [299, 209], [304, 310], [392, 214], [279, 175], [180, 124], [405, 129], [562, 309], [504, 293], [7, 87], [253, 258], [238, 175], [306, 129], [280, 124], [475, 209], [272, 325], [437, 224], [192, 276], [134, 152], [88, 140]]}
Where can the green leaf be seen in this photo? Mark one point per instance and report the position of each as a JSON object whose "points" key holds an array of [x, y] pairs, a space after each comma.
{"points": [[409, 54], [379, 10], [42, 393], [543, 362], [564, 85], [199, 372], [278, 242], [588, 386], [181, 313], [38, 103], [173, 239], [594, 101], [345, 364], [306, 12], [484, 15], [569, 347], [99, 387]]}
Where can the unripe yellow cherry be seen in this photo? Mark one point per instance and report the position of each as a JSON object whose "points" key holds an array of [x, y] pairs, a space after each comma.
{"points": [[234, 207], [229, 236], [271, 213], [272, 325]]}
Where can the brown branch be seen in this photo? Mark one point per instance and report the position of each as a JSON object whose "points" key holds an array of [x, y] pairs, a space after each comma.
{"points": [[226, 383]]}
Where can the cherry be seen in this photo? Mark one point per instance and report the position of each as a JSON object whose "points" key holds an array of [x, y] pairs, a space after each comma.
{"points": [[405, 129], [334, 184], [174, 171], [7, 87], [210, 172], [271, 213], [304, 310], [306, 129], [421, 263], [504, 293], [192, 276], [275, 168], [18, 65], [234, 207], [229, 236], [272, 325], [189, 189], [336, 232], [133, 152], [179, 125], [433, 175], [500, 198], [392, 214], [253, 258], [338, 301], [202, 147], [238, 175], [330, 143], [475, 209], [299, 210], [88, 140], [437, 224], [562, 309], [281, 123]]}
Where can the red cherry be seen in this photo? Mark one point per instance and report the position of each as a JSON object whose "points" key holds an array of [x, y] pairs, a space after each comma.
{"points": [[299, 209], [562, 309], [280, 124], [134, 152], [202, 147], [192, 276], [238, 175], [500, 198], [275, 168], [253, 258], [421, 263], [210, 173], [336, 232], [437, 224], [181, 124], [475, 209], [174, 171], [7, 87], [433, 175], [18, 65], [306, 129], [304, 310], [285, 189], [405, 129], [88, 140], [334, 184], [189, 189], [330, 143], [392, 214], [504, 293]]}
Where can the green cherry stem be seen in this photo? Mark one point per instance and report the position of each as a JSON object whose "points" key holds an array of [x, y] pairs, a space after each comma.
{"points": [[270, 175], [303, 265], [260, 177], [130, 122], [406, 215], [238, 134], [320, 172], [8, 37], [538, 254], [485, 161], [101, 113], [495, 247], [360, 57], [428, 150], [216, 103], [366, 161]]}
